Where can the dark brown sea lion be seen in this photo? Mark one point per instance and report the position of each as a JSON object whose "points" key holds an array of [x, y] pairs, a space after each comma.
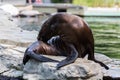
{"points": [[72, 30], [74, 39]]}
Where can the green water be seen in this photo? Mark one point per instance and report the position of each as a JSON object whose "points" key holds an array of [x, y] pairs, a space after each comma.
{"points": [[107, 38]]}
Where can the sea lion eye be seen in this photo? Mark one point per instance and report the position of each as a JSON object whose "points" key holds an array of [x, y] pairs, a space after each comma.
{"points": [[52, 26]]}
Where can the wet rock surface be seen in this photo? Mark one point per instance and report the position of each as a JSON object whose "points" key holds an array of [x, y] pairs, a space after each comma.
{"points": [[13, 42], [10, 63], [80, 69]]}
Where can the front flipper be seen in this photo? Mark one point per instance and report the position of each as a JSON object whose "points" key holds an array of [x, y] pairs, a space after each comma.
{"points": [[70, 59], [40, 57]]}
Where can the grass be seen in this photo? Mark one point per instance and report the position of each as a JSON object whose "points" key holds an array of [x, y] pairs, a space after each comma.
{"points": [[107, 38]]}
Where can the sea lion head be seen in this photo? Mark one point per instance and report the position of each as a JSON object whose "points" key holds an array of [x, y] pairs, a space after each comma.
{"points": [[45, 49], [46, 32]]}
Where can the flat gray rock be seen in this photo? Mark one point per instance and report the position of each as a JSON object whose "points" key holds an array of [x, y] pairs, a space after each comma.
{"points": [[3, 68], [81, 69]]}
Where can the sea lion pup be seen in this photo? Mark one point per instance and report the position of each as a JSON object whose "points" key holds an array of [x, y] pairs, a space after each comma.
{"points": [[74, 32]]}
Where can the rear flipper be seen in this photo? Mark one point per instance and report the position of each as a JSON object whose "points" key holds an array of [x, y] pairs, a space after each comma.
{"points": [[102, 64], [70, 59], [91, 57], [40, 57]]}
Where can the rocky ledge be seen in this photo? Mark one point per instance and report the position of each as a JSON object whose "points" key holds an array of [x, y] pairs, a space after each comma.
{"points": [[80, 70]]}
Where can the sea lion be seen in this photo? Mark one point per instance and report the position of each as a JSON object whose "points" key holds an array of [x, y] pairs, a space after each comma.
{"points": [[53, 47], [74, 32]]}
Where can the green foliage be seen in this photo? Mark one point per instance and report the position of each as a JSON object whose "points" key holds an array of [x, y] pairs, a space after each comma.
{"points": [[95, 3]]}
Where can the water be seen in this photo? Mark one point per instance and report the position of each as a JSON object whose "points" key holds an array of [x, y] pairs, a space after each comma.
{"points": [[106, 32], [103, 19], [30, 23]]}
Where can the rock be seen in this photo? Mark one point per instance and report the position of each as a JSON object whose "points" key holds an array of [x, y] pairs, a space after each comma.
{"points": [[10, 9], [5, 20], [29, 13], [114, 72], [36, 71], [28, 7], [9, 60], [3, 68], [80, 69], [9, 78], [114, 64], [10, 65], [13, 42], [13, 73], [10, 33], [103, 58]]}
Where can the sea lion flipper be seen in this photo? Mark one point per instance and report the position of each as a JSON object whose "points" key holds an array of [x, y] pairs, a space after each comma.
{"points": [[102, 64], [70, 59], [40, 57]]}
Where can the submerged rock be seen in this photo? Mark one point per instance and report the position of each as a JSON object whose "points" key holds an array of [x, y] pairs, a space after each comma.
{"points": [[30, 13]]}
